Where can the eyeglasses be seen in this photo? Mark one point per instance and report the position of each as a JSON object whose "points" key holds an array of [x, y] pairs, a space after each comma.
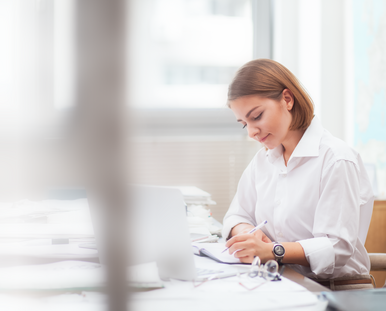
{"points": [[258, 275], [268, 271]]}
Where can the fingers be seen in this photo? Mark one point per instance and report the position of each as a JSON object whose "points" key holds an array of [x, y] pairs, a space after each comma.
{"points": [[266, 239], [239, 246], [243, 242], [259, 234], [243, 253], [237, 238], [262, 236]]}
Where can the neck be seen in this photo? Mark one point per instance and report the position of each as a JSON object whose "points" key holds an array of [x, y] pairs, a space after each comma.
{"points": [[290, 143]]}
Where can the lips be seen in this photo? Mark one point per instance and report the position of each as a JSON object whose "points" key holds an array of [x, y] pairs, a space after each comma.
{"points": [[263, 139]]}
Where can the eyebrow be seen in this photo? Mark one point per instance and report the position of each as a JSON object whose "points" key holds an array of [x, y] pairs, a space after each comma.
{"points": [[250, 111]]}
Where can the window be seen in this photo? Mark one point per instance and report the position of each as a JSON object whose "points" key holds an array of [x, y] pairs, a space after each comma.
{"points": [[185, 52], [183, 55], [36, 61]]}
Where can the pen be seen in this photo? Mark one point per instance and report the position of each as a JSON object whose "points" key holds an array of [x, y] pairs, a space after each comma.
{"points": [[253, 230]]}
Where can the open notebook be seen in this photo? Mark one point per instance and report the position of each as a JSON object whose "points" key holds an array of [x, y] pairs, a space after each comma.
{"points": [[214, 251]]}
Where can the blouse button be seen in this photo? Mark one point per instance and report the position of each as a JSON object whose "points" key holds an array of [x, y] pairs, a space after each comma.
{"points": [[278, 202]]}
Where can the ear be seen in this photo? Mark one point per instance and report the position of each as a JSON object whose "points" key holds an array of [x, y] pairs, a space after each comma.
{"points": [[288, 97]]}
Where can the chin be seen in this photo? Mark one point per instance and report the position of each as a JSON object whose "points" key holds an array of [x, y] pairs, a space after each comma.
{"points": [[270, 146]]}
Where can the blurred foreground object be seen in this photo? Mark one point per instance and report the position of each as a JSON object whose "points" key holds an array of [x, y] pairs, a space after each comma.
{"points": [[100, 129]]}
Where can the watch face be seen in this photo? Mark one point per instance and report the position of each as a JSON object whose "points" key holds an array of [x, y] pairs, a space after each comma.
{"points": [[279, 250]]}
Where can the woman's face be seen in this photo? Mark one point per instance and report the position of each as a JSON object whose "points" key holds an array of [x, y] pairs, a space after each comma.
{"points": [[266, 120]]}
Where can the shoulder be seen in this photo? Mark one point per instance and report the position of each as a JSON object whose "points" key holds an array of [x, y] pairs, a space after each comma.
{"points": [[333, 149]]}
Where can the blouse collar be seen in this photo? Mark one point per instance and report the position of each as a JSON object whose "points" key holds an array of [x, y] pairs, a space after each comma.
{"points": [[308, 145]]}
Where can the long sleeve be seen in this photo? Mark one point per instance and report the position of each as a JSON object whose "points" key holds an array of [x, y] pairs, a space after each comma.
{"points": [[336, 219], [242, 208]]}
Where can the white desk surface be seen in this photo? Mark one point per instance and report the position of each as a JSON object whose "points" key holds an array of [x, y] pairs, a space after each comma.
{"points": [[224, 294]]}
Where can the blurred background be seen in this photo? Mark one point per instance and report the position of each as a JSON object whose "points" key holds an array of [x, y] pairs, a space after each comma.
{"points": [[180, 57]]}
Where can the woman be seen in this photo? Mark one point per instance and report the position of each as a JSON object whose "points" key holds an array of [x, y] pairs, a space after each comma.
{"points": [[311, 187]]}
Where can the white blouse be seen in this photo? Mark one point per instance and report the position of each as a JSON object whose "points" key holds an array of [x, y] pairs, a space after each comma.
{"points": [[322, 199]]}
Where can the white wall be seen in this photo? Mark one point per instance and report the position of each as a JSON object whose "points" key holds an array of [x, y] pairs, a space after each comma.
{"points": [[309, 39]]}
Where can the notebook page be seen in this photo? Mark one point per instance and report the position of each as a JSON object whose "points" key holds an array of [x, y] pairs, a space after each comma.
{"points": [[216, 250]]}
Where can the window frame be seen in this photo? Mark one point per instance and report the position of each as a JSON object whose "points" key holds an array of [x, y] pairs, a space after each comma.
{"points": [[213, 121]]}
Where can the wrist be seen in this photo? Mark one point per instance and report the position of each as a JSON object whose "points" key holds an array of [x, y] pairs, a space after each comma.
{"points": [[278, 252], [271, 255], [266, 254]]}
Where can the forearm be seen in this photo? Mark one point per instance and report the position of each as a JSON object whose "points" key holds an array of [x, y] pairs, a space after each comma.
{"points": [[294, 254]]}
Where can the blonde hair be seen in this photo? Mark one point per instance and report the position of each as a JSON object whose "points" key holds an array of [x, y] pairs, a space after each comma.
{"points": [[268, 79]]}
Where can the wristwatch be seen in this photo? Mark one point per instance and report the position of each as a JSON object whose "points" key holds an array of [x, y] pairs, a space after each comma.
{"points": [[278, 251]]}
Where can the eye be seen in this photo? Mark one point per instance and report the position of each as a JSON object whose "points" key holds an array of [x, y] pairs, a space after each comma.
{"points": [[244, 126], [259, 116]]}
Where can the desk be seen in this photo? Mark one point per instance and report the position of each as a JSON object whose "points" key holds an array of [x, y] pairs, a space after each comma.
{"points": [[44, 253], [17, 260], [307, 283], [228, 294], [376, 237], [190, 295], [294, 276]]}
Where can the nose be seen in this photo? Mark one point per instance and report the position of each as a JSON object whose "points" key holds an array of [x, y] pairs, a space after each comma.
{"points": [[253, 131]]}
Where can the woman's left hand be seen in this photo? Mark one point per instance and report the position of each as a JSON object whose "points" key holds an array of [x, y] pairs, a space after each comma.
{"points": [[246, 246]]}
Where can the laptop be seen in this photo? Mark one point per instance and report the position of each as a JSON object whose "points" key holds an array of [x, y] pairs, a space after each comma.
{"points": [[356, 300], [159, 231]]}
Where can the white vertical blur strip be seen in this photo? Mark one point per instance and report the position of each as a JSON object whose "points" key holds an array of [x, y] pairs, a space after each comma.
{"points": [[64, 71], [310, 49], [18, 60], [7, 72], [349, 72]]}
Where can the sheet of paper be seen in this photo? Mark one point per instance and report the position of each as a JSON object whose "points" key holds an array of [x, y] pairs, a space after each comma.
{"points": [[73, 274], [183, 295], [95, 301], [26, 210], [202, 230], [88, 301], [59, 275], [216, 249], [44, 230], [46, 250]]}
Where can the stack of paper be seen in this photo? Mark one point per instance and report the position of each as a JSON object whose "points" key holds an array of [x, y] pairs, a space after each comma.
{"points": [[196, 196], [199, 215]]}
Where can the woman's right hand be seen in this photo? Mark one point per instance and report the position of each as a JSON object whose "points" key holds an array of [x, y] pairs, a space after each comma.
{"points": [[246, 246], [244, 228], [261, 236]]}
